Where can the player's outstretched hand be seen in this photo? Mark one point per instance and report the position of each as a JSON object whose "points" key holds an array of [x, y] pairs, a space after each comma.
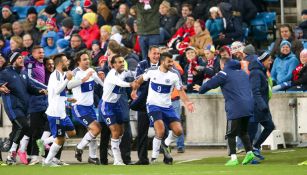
{"points": [[43, 92], [101, 75], [72, 100], [69, 75], [190, 106], [196, 87], [134, 95], [4, 89]]}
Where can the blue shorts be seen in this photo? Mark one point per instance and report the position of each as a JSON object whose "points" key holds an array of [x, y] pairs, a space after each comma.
{"points": [[59, 126], [84, 114], [111, 113], [167, 115]]}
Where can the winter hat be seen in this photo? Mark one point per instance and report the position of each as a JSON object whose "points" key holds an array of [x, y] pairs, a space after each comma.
{"points": [[249, 50], [285, 42], [68, 23], [51, 9], [303, 53], [106, 28], [190, 48], [87, 3], [90, 17], [6, 7], [211, 48], [304, 12], [96, 42], [31, 10], [237, 46], [14, 56], [62, 43], [214, 9], [43, 17], [228, 49], [264, 56], [51, 22]]}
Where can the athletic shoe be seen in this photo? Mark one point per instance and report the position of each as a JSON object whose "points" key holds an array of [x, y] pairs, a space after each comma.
{"points": [[50, 164], [239, 151], [94, 161], [23, 157], [180, 150], [257, 153], [41, 147], [303, 163], [2, 163], [144, 162], [78, 154], [118, 163], [34, 161], [167, 154], [59, 162], [153, 161], [11, 159], [232, 162], [248, 158]]}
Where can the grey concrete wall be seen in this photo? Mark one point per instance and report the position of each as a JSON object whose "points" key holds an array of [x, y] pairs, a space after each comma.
{"points": [[207, 125]]}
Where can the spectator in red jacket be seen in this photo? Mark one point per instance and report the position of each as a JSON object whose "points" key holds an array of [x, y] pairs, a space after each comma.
{"points": [[90, 31]]}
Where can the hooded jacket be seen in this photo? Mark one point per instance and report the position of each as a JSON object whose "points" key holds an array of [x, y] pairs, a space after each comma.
{"points": [[236, 90], [50, 50], [283, 67], [260, 88]]}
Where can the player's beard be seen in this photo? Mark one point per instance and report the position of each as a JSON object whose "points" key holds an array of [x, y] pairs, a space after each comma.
{"points": [[65, 68]]}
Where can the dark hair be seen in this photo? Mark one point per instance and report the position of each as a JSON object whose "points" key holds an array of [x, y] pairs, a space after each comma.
{"points": [[114, 47], [165, 55], [58, 58], [190, 7], [79, 54], [36, 47], [153, 47], [286, 26], [76, 35], [6, 26], [113, 59]]}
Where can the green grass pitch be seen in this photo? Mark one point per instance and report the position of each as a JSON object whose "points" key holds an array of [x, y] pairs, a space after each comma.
{"points": [[281, 162]]}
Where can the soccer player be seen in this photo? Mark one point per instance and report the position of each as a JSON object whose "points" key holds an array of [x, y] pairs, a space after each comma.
{"points": [[159, 106], [58, 121], [239, 104], [109, 106], [82, 86]]}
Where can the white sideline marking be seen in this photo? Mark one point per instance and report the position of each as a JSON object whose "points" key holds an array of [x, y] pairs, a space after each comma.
{"points": [[285, 151], [185, 161]]}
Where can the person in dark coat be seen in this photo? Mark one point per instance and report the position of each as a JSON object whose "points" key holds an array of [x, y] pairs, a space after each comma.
{"points": [[303, 24], [245, 10], [238, 104], [259, 82]]}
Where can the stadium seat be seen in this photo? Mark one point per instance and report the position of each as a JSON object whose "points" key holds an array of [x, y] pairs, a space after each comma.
{"points": [[21, 11], [305, 44], [276, 138], [40, 8], [259, 29]]}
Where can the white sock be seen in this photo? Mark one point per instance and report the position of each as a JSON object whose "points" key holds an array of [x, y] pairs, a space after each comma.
{"points": [[116, 151], [92, 146], [24, 143], [52, 152], [249, 152], [13, 147], [45, 135], [49, 140], [170, 138], [234, 157], [156, 143], [85, 140], [34, 157]]}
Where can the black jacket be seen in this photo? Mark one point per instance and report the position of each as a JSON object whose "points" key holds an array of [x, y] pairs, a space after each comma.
{"points": [[260, 88], [303, 26], [302, 79]]}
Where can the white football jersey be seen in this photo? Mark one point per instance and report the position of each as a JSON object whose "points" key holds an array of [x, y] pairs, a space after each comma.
{"points": [[84, 94], [114, 86], [161, 86], [56, 95]]}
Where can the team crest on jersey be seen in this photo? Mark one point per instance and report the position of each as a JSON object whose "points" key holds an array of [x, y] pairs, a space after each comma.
{"points": [[167, 81]]}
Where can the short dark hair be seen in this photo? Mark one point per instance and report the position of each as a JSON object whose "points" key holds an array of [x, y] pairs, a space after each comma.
{"points": [[79, 54], [36, 47], [113, 59], [7, 26], [286, 26], [58, 58], [76, 35], [189, 6], [153, 47], [165, 55]]}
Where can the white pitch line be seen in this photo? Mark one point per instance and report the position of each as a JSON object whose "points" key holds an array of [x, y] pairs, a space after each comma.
{"points": [[185, 161]]}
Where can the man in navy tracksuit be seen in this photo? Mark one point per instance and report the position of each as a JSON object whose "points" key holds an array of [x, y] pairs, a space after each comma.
{"points": [[238, 103], [16, 105]]}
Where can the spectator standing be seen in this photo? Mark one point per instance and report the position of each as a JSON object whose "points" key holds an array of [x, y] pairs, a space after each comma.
{"points": [[17, 28], [7, 15], [215, 23], [168, 21], [90, 31], [28, 44], [105, 33], [186, 10], [68, 28], [50, 48], [303, 24], [32, 16]]}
